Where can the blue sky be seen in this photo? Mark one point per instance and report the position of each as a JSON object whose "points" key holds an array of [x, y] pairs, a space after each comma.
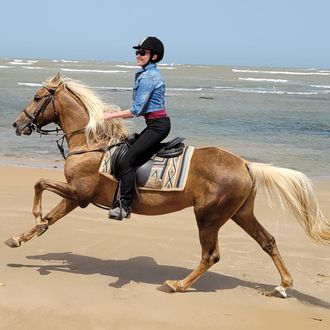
{"points": [[280, 33]]}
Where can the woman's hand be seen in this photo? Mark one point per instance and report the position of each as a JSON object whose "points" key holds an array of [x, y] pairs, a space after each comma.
{"points": [[107, 115]]}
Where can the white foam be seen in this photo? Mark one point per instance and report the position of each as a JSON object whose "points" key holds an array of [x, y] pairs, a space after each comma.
{"points": [[282, 92], [270, 91], [33, 67], [168, 68], [93, 71], [29, 84], [320, 86], [168, 64], [127, 66], [5, 67], [185, 89], [65, 61], [223, 87], [266, 80], [114, 88], [19, 62], [319, 73], [163, 66]]}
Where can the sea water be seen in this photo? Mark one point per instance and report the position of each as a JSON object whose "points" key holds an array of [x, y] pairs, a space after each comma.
{"points": [[272, 115]]}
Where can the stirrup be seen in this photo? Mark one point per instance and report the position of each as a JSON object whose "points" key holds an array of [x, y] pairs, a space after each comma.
{"points": [[118, 213]]}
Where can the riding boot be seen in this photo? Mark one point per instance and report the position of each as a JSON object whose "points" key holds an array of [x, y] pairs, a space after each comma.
{"points": [[122, 207], [119, 212]]}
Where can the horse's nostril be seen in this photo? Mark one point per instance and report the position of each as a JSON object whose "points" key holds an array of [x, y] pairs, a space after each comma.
{"points": [[14, 125]]}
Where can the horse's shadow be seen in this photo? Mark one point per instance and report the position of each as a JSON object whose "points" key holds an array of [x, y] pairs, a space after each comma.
{"points": [[146, 270]]}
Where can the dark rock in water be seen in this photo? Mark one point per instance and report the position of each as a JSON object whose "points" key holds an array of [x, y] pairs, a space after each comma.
{"points": [[206, 97]]}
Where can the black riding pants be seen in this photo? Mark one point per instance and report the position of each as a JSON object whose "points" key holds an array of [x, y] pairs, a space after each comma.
{"points": [[141, 151]]}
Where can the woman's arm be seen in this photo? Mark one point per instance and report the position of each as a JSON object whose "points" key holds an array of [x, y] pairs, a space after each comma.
{"points": [[118, 114]]}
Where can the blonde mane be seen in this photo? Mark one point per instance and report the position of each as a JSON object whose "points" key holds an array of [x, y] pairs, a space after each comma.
{"points": [[97, 130]]}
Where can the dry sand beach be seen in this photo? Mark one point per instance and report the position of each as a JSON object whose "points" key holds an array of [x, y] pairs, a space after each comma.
{"points": [[87, 272]]}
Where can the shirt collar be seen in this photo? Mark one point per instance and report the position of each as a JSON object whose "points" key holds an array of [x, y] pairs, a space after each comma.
{"points": [[148, 66]]}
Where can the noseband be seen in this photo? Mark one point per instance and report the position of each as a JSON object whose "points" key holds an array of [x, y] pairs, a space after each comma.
{"points": [[33, 124]]}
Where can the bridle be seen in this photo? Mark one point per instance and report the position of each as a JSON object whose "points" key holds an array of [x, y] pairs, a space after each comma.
{"points": [[33, 125]]}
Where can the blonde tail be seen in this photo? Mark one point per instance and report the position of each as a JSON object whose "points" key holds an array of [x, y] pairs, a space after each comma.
{"points": [[294, 189]]}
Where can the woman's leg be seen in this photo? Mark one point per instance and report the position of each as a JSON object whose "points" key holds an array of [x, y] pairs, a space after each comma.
{"points": [[142, 149]]}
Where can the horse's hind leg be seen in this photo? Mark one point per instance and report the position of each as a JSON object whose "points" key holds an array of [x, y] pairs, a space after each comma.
{"points": [[58, 212], [247, 221], [208, 236]]}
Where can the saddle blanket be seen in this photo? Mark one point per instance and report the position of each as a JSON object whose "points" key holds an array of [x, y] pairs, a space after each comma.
{"points": [[167, 174]]}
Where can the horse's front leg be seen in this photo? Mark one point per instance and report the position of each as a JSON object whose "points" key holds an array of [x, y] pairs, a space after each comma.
{"points": [[70, 202], [58, 212], [62, 189]]}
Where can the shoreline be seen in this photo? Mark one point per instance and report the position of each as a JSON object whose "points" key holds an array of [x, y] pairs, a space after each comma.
{"points": [[41, 163], [58, 164]]}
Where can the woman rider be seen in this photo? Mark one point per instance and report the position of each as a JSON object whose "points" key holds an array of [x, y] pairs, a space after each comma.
{"points": [[148, 101]]}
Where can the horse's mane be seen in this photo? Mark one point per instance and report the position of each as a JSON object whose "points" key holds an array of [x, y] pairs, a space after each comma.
{"points": [[97, 130]]}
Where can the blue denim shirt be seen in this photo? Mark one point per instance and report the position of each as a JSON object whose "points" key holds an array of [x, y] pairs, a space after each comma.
{"points": [[149, 91]]}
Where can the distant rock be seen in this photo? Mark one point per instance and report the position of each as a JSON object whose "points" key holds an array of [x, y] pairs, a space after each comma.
{"points": [[206, 97]]}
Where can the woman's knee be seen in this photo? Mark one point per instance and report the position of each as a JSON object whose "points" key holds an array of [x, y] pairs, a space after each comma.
{"points": [[124, 164]]}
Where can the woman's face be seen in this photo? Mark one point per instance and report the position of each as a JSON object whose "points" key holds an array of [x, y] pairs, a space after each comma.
{"points": [[143, 56]]}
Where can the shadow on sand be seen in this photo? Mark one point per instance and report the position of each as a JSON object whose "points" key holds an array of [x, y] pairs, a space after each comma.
{"points": [[146, 270]]}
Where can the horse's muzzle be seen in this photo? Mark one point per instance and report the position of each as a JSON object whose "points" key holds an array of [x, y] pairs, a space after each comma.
{"points": [[25, 128]]}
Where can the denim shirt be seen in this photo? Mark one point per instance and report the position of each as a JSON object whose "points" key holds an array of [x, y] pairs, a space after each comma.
{"points": [[149, 91]]}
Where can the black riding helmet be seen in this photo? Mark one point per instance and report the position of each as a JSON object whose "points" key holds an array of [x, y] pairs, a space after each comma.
{"points": [[154, 45]]}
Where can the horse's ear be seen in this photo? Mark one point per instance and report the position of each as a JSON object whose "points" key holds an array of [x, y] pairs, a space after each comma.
{"points": [[57, 78]]}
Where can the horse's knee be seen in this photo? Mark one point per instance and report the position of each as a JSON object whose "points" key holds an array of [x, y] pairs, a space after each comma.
{"points": [[39, 184], [268, 245], [211, 258], [216, 259]]}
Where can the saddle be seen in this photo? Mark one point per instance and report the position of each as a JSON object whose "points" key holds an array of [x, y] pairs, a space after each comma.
{"points": [[170, 149]]}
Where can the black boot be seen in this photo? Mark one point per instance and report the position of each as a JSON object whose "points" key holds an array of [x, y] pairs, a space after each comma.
{"points": [[119, 211]]}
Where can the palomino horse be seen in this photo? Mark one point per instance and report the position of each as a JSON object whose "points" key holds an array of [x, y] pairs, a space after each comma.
{"points": [[221, 188]]}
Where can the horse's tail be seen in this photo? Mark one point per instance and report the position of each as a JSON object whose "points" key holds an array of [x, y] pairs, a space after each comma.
{"points": [[284, 186]]}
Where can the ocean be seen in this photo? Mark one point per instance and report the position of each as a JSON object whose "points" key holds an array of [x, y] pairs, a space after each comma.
{"points": [[272, 115]]}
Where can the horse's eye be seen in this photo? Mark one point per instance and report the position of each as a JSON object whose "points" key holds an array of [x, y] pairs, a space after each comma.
{"points": [[37, 97]]}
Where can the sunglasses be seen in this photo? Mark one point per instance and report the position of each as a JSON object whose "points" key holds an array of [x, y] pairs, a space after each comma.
{"points": [[141, 52]]}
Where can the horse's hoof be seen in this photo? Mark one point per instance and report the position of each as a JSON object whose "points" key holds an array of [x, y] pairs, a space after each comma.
{"points": [[41, 229], [279, 292], [172, 286], [167, 287], [13, 242]]}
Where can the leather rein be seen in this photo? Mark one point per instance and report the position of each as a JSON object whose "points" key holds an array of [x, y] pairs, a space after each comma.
{"points": [[34, 125]]}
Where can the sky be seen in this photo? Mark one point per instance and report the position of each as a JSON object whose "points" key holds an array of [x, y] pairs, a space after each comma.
{"points": [[272, 33]]}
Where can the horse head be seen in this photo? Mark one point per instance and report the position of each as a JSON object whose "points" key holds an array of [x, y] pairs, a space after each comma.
{"points": [[72, 106], [41, 110]]}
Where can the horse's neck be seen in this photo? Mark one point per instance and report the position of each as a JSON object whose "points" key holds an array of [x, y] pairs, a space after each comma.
{"points": [[73, 120]]}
